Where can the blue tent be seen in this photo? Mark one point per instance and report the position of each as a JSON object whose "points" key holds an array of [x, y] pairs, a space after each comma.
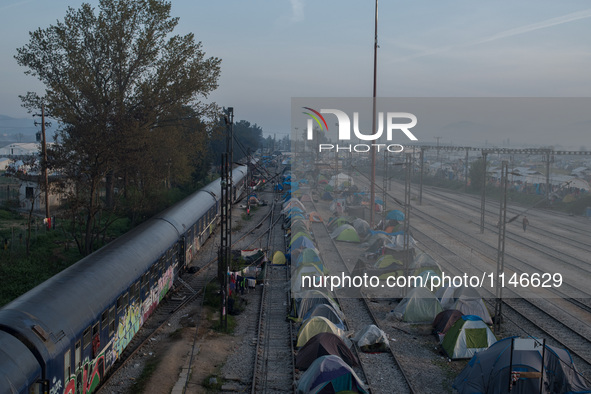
{"points": [[330, 374], [302, 242], [395, 215]]}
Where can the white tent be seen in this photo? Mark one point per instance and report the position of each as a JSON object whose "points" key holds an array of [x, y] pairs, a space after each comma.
{"points": [[341, 180]]}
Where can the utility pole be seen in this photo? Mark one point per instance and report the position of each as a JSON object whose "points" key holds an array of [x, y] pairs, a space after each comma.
{"points": [[483, 196], [373, 127], [437, 138], [501, 247], [406, 225], [225, 252], [44, 165], [385, 179], [466, 172], [548, 158], [422, 159]]}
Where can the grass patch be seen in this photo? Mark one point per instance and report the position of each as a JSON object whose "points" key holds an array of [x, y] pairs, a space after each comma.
{"points": [[213, 383], [140, 384], [218, 327], [245, 216]]}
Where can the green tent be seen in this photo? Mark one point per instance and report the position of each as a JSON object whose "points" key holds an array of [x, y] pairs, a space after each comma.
{"points": [[316, 325], [335, 222], [419, 306], [468, 336], [306, 270], [387, 260], [345, 233]]}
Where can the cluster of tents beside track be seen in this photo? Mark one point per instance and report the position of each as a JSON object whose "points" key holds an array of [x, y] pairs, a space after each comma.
{"points": [[460, 318], [323, 345]]}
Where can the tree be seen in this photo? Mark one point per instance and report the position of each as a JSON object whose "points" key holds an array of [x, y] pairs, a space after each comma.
{"points": [[113, 79], [246, 137]]}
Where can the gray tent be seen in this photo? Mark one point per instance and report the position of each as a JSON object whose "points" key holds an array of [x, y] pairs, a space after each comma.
{"points": [[464, 299], [362, 227], [489, 371], [371, 339], [327, 311]]}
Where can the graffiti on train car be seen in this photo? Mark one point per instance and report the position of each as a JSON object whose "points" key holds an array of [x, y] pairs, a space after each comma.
{"points": [[128, 326], [87, 377], [56, 386], [189, 254], [164, 283], [156, 293]]}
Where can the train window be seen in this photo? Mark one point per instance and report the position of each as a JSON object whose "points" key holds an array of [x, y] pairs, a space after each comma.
{"points": [[104, 319], [86, 338], [119, 303], [67, 365], [125, 300], [145, 283], [95, 329], [136, 290], [112, 321], [77, 356]]}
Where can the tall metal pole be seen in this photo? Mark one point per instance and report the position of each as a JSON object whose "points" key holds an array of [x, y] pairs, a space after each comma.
{"points": [[421, 176], [373, 121], [466, 172], [483, 197], [385, 179], [406, 225], [548, 158], [44, 150], [501, 247], [225, 253]]}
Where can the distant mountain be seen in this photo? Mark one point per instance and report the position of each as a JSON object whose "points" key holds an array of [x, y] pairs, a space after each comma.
{"points": [[17, 130]]}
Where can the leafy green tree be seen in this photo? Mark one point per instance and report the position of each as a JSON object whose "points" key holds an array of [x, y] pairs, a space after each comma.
{"points": [[247, 137], [113, 78]]}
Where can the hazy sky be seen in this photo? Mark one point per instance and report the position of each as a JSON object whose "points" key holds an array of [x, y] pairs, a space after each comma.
{"points": [[273, 50]]}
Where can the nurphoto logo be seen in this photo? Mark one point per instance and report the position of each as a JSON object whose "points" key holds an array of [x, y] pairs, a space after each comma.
{"points": [[344, 130]]}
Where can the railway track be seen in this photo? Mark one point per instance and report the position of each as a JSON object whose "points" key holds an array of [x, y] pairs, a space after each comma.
{"points": [[565, 331], [557, 320], [568, 243], [384, 372], [273, 365], [187, 289]]}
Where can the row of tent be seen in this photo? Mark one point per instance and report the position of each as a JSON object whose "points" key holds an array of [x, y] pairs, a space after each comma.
{"points": [[322, 337], [323, 347]]}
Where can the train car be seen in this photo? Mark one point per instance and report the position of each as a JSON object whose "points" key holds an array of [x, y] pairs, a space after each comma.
{"points": [[64, 335]]}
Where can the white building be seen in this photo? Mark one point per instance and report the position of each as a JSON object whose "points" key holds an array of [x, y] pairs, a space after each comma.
{"points": [[20, 149]]}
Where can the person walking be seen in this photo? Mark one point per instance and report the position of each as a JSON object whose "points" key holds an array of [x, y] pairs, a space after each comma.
{"points": [[525, 223]]}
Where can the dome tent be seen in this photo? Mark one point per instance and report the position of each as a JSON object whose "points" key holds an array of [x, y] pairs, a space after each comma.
{"points": [[324, 344], [467, 336], [330, 374], [419, 306], [490, 371]]}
